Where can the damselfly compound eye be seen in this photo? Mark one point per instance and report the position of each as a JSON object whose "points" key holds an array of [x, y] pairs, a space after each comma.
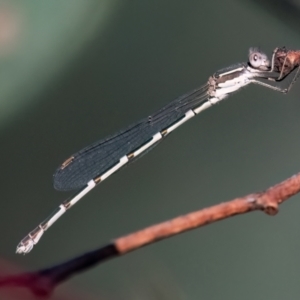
{"points": [[258, 59]]}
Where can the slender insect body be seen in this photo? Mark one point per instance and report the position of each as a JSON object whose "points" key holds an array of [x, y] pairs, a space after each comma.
{"points": [[95, 163]]}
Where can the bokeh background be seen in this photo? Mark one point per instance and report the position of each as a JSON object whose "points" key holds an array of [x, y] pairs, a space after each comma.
{"points": [[73, 71]]}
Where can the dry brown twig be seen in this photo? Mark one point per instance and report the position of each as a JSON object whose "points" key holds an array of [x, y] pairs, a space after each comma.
{"points": [[43, 282]]}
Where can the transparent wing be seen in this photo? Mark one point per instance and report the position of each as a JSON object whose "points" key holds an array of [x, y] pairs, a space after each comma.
{"points": [[95, 159]]}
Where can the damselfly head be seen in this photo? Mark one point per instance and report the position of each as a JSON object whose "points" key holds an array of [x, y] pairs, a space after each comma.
{"points": [[258, 59]]}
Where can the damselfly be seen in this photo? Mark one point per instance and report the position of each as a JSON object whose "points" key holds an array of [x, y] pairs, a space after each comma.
{"points": [[93, 164]]}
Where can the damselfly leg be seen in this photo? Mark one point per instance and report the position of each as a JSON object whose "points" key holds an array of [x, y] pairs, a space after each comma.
{"points": [[284, 71]]}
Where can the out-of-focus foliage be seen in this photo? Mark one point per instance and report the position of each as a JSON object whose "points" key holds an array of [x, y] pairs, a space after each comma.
{"points": [[37, 40]]}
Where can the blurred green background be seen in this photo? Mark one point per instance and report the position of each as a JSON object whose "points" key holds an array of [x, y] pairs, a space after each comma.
{"points": [[73, 71]]}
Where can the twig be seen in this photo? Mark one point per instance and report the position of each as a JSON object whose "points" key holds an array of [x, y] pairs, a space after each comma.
{"points": [[43, 282]]}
